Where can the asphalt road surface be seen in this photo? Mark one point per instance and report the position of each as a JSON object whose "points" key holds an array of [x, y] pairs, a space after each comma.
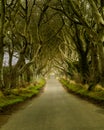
{"points": [[55, 109]]}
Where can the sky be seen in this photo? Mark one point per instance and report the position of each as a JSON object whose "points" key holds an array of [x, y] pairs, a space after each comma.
{"points": [[6, 59]]}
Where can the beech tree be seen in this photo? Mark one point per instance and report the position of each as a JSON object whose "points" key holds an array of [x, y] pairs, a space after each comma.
{"points": [[88, 17], [2, 22], [68, 34]]}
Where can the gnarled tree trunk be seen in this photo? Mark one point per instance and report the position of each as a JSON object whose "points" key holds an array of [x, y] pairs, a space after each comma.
{"points": [[2, 20]]}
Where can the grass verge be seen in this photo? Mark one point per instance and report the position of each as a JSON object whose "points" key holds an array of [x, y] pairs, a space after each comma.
{"points": [[96, 96], [18, 95]]}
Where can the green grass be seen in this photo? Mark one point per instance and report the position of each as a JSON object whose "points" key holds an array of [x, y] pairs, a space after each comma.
{"points": [[80, 90], [4, 102], [20, 94]]}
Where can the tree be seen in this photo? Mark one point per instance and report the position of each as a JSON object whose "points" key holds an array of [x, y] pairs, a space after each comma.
{"points": [[85, 15], [2, 22]]}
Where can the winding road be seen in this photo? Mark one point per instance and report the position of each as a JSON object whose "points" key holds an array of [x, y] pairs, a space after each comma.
{"points": [[55, 109]]}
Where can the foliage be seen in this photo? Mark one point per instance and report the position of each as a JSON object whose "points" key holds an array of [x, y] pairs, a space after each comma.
{"points": [[66, 35]]}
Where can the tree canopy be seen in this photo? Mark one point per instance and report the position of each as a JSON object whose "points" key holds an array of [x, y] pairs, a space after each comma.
{"points": [[65, 35]]}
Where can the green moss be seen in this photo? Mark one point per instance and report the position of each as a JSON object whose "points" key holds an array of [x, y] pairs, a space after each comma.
{"points": [[80, 90], [9, 101], [1, 94], [20, 94]]}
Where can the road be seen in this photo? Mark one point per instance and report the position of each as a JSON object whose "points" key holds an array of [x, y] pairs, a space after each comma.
{"points": [[55, 109]]}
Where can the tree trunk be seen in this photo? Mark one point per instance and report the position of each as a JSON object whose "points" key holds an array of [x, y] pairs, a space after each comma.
{"points": [[2, 20], [83, 62], [101, 61], [13, 79], [94, 68], [1, 68]]}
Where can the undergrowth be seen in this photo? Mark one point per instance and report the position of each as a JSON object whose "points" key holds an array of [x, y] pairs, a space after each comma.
{"points": [[20, 94], [96, 94]]}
